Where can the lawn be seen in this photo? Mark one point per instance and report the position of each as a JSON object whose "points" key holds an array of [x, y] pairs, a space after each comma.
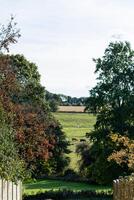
{"points": [[46, 185], [75, 126]]}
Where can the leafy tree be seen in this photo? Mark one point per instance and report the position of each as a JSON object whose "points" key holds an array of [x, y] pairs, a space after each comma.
{"points": [[59, 161], [114, 94], [8, 34], [54, 101], [112, 99], [11, 166], [23, 100], [32, 118], [83, 150]]}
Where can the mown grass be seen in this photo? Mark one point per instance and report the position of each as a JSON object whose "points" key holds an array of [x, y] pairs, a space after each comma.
{"points": [[75, 126], [55, 185]]}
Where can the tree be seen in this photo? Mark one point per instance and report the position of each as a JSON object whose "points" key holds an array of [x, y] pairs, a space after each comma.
{"points": [[60, 159], [11, 166], [54, 101], [27, 112], [114, 93], [33, 120], [112, 99], [83, 150], [8, 34]]}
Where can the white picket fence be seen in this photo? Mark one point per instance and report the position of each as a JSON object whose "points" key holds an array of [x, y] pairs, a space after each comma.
{"points": [[10, 190]]}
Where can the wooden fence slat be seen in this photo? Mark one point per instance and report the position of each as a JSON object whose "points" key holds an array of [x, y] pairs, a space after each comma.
{"points": [[123, 188]]}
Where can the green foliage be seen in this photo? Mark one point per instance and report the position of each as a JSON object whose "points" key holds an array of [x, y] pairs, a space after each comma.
{"points": [[29, 123], [114, 94], [38, 135], [112, 99], [54, 101], [11, 166], [51, 144], [59, 161], [69, 195], [28, 79]]}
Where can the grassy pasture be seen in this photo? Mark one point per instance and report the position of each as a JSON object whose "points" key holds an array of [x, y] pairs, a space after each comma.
{"points": [[75, 126]]}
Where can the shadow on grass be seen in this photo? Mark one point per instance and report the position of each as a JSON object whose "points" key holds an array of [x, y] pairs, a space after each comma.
{"points": [[58, 184]]}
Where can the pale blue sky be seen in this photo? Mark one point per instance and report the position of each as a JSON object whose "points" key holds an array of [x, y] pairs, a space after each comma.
{"points": [[62, 37]]}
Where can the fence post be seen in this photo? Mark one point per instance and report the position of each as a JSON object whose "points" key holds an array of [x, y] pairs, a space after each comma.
{"points": [[123, 188], [10, 190]]}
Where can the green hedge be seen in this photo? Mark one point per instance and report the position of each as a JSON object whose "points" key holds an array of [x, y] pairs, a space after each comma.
{"points": [[68, 195]]}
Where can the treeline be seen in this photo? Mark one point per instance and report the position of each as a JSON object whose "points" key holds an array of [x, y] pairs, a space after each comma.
{"points": [[56, 100]]}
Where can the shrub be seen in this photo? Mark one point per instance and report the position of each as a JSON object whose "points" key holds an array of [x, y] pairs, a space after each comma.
{"points": [[67, 194], [70, 174]]}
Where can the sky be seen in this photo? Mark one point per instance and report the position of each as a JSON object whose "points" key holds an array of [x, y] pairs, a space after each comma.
{"points": [[63, 36]]}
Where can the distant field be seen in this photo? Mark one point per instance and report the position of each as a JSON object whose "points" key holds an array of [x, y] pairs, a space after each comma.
{"points": [[75, 125], [77, 109]]}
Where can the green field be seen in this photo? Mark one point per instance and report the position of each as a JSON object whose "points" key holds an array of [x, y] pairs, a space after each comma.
{"points": [[75, 126], [46, 185]]}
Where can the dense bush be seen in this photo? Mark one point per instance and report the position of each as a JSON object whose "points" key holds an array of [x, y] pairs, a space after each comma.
{"points": [[11, 166], [70, 174], [66, 194]]}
